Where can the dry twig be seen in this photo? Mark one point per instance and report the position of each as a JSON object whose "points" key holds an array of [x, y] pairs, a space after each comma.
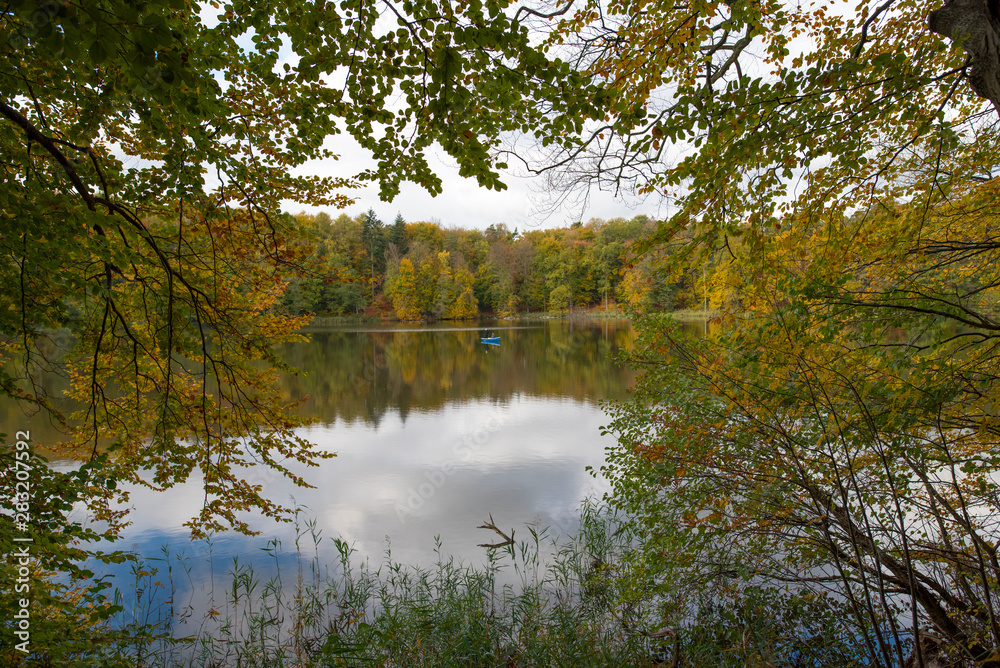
{"points": [[507, 540]]}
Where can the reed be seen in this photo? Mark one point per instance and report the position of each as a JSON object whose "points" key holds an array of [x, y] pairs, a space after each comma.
{"points": [[520, 608]]}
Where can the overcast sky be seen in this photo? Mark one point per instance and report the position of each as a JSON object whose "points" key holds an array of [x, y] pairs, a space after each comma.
{"points": [[463, 203]]}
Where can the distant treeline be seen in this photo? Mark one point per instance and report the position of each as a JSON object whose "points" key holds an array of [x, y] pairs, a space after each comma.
{"points": [[424, 271]]}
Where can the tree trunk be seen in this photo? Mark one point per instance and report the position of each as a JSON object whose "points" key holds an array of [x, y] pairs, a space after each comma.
{"points": [[975, 26]]}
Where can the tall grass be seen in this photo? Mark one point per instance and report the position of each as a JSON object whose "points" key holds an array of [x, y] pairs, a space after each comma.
{"points": [[576, 601], [521, 608]]}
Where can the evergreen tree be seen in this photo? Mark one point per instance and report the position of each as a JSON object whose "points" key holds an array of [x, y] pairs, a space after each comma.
{"points": [[373, 239], [398, 235]]}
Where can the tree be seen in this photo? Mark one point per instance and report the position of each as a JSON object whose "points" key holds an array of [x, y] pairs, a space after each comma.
{"points": [[154, 150], [373, 238], [398, 235], [828, 113], [837, 438], [454, 298], [819, 445], [402, 290], [146, 156], [559, 298], [975, 26]]}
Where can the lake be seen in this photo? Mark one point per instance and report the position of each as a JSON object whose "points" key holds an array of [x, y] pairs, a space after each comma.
{"points": [[434, 432]]}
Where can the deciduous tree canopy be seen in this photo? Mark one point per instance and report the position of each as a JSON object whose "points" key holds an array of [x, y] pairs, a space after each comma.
{"points": [[146, 151], [838, 435]]}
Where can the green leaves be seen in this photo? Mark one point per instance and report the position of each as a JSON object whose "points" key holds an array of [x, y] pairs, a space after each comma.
{"points": [[156, 150], [838, 419]]}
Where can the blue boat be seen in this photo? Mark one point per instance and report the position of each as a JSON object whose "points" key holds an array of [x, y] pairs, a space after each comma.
{"points": [[492, 340]]}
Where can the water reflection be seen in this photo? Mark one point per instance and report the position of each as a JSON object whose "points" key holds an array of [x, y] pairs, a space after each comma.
{"points": [[438, 474], [433, 431], [354, 374]]}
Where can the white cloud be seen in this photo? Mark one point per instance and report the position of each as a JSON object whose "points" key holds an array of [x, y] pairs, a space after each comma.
{"points": [[422, 480], [463, 203]]}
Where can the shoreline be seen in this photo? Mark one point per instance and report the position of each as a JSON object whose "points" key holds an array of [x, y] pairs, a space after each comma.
{"points": [[322, 322]]}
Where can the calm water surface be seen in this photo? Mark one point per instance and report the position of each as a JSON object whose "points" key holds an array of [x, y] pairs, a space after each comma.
{"points": [[433, 431]]}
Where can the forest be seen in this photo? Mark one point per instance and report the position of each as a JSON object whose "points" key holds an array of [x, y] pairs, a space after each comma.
{"points": [[423, 271]]}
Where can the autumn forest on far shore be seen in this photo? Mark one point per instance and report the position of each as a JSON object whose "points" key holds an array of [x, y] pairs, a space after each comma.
{"points": [[415, 271]]}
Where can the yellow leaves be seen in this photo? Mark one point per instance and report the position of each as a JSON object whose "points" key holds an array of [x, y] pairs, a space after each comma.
{"points": [[177, 369], [402, 290]]}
